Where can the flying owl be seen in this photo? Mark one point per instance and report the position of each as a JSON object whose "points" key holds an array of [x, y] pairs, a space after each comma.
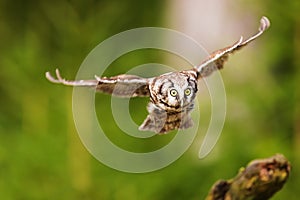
{"points": [[172, 95]]}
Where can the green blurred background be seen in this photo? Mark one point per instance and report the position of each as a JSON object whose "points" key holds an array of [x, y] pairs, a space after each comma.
{"points": [[41, 155]]}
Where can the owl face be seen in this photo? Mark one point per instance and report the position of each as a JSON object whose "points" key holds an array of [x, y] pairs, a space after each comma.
{"points": [[173, 91]]}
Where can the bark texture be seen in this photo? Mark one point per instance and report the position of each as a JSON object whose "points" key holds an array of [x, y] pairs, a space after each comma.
{"points": [[260, 180]]}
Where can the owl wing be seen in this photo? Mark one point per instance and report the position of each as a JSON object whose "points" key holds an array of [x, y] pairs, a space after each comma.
{"points": [[217, 59], [122, 85]]}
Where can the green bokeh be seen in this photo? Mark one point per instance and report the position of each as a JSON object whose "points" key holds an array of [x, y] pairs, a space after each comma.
{"points": [[41, 156]]}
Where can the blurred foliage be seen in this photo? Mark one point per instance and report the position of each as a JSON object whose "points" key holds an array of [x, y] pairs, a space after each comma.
{"points": [[41, 156]]}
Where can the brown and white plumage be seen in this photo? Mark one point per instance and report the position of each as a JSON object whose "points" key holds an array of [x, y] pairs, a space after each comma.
{"points": [[171, 95]]}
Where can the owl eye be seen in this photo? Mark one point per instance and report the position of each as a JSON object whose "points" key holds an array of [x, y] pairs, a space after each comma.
{"points": [[187, 92], [173, 92]]}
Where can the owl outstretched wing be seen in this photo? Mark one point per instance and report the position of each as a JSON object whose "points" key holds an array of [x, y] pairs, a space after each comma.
{"points": [[122, 85], [217, 59]]}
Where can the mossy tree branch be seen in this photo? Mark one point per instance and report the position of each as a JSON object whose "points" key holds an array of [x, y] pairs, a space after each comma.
{"points": [[260, 180]]}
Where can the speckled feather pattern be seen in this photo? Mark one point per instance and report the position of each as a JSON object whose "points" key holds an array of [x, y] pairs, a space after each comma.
{"points": [[172, 95]]}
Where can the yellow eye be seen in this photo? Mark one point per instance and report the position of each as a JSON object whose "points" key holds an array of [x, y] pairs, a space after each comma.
{"points": [[187, 92], [173, 92]]}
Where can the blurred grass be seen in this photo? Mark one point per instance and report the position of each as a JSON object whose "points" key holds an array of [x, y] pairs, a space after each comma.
{"points": [[41, 156]]}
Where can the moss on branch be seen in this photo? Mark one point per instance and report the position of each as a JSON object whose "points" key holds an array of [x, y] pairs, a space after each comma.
{"points": [[260, 180]]}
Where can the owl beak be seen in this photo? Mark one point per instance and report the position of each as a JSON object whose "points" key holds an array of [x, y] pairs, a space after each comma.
{"points": [[181, 103]]}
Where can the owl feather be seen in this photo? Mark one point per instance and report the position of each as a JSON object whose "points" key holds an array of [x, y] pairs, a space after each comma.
{"points": [[172, 95]]}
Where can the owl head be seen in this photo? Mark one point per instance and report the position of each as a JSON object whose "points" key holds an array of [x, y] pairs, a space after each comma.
{"points": [[173, 91]]}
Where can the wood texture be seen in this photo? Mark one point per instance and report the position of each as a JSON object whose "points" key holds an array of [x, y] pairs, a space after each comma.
{"points": [[260, 180]]}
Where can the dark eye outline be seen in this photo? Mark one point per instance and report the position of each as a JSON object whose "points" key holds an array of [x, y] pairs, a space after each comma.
{"points": [[187, 92], [173, 93]]}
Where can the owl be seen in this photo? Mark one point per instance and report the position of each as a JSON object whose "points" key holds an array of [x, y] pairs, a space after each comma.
{"points": [[172, 95]]}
